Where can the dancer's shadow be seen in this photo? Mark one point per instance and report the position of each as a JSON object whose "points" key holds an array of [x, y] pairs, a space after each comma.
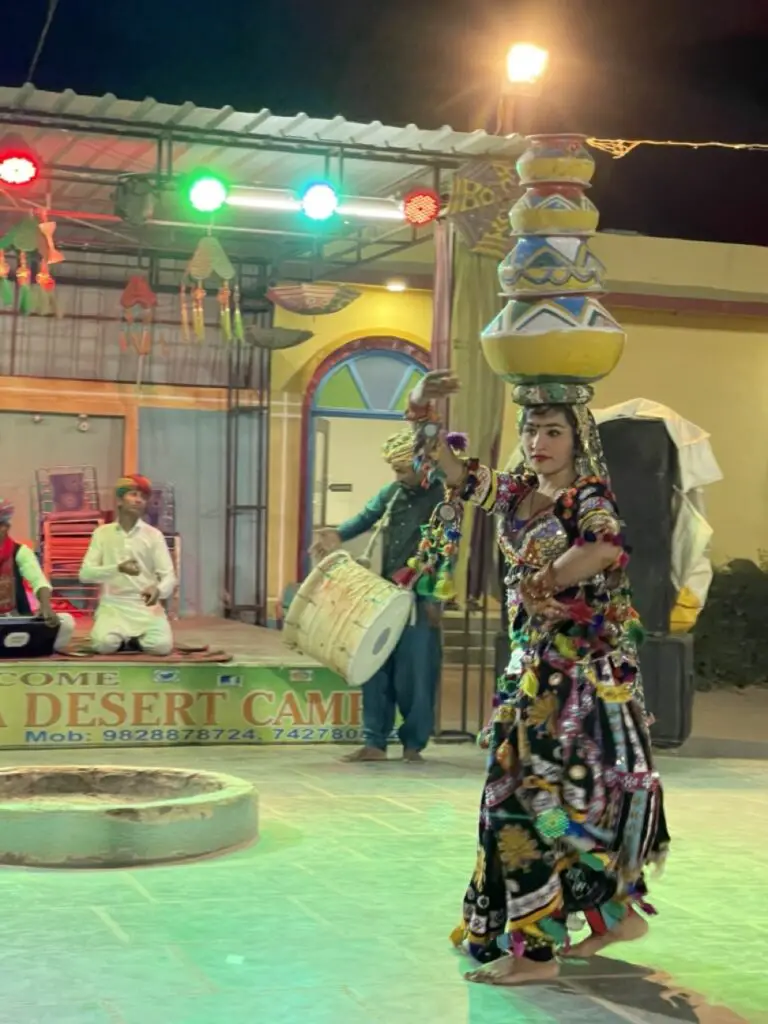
{"points": [[649, 993], [601, 991]]}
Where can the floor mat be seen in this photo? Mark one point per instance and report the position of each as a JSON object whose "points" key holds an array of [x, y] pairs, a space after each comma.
{"points": [[183, 654]]}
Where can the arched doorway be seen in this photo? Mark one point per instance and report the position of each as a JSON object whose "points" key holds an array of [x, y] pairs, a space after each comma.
{"points": [[354, 400]]}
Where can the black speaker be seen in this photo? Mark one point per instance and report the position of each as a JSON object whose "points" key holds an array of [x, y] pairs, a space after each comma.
{"points": [[666, 663], [642, 461]]}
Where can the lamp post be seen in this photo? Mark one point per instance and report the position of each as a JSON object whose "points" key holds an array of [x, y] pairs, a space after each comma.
{"points": [[526, 68]]}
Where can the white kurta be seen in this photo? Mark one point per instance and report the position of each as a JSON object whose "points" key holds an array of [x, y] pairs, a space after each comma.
{"points": [[122, 613]]}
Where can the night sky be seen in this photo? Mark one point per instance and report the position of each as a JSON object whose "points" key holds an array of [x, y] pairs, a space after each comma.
{"points": [[685, 69]]}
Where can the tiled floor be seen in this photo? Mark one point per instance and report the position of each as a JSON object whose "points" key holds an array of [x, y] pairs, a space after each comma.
{"points": [[341, 913]]}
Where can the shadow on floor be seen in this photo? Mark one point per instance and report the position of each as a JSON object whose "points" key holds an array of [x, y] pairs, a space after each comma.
{"points": [[600, 991], [651, 992]]}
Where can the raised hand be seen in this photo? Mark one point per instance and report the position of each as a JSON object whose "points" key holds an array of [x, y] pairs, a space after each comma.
{"points": [[437, 384]]}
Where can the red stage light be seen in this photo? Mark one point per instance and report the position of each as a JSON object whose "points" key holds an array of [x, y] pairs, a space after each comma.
{"points": [[17, 169], [18, 164], [421, 207]]}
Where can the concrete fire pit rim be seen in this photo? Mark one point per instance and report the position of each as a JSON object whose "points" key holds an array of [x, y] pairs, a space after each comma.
{"points": [[230, 788]]}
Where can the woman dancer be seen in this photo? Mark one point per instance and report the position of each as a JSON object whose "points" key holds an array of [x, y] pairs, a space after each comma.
{"points": [[572, 808]]}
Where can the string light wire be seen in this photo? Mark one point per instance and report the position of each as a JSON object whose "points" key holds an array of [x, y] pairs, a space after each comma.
{"points": [[619, 148], [52, 5]]}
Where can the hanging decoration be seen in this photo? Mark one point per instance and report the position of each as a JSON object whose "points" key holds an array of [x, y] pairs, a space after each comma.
{"points": [[432, 570], [209, 260], [23, 282], [184, 307], [6, 288], [434, 565], [28, 238], [46, 244], [619, 148], [49, 256], [137, 295], [46, 295], [481, 194], [276, 337], [239, 333], [309, 299]]}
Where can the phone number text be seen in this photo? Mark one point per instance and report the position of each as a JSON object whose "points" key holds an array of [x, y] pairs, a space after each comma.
{"points": [[268, 734]]}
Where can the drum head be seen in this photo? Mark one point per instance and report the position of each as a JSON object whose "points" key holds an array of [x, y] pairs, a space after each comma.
{"points": [[380, 639]]}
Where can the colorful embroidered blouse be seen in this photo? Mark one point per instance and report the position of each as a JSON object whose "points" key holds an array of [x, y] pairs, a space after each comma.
{"points": [[601, 619]]}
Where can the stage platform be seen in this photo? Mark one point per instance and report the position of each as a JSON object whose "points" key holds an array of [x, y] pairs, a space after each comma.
{"points": [[258, 691], [265, 693]]}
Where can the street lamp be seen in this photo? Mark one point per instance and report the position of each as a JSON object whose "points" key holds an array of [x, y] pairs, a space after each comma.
{"points": [[526, 65]]}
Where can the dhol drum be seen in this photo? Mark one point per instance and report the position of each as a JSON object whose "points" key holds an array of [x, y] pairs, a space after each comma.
{"points": [[347, 618]]}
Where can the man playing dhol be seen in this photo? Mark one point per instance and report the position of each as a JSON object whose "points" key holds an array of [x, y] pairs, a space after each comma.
{"points": [[131, 561], [409, 679], [18, 564]]}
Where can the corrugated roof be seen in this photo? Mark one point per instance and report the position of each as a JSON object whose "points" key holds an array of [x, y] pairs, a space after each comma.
{"points": [[251, 148], [88, 143]]}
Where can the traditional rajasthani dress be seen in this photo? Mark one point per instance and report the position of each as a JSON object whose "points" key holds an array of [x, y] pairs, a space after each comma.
{"points": [[572, 807]]}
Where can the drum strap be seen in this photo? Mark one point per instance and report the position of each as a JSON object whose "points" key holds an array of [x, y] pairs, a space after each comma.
{"points": [[366, 559]]}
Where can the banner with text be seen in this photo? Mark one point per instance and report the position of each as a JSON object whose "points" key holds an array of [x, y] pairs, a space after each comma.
{"points": [[116, 705]]}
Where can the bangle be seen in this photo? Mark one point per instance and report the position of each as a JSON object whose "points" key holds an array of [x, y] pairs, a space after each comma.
{"points": [[541, 586], [470, 480]]}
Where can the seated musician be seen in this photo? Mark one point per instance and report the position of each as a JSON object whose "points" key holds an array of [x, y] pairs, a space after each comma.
{"points": [[409, 679], [19, 565], [131, 561]]}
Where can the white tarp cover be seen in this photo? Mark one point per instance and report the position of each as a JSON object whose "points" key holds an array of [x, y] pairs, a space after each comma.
{"points": [[691, 565]]}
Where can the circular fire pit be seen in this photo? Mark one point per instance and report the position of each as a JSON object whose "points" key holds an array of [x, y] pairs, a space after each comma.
{"points": [[104, 817]]}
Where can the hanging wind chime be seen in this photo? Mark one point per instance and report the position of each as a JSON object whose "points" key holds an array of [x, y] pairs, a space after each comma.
{"points": [[27, 238], [210, 260], [137, 294]]}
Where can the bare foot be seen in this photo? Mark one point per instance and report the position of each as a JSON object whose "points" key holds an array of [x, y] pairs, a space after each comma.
{"points": [[365, 754], [512, 971], [413, 756], [633, 927]]}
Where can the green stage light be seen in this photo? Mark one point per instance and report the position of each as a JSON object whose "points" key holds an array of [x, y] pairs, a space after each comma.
{"points": [[207, 194], [319, 201]]}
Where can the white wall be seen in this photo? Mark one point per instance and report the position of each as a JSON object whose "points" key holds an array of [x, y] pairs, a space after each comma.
{"points": [[354, 458]]}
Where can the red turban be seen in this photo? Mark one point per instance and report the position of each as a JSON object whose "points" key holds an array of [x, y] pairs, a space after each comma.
{"points": [[133, 482]]}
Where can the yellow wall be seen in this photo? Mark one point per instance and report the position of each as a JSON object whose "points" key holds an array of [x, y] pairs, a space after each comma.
{"points": [[377, 313], [675, 266], [714, 372]]}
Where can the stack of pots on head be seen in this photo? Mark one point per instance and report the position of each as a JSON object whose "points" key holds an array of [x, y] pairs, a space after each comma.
{"points": [[553, 339]]}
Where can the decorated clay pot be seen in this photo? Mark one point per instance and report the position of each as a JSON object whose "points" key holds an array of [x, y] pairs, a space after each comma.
{"points": [[562, 265], [554, 159], [554, 210], [572, 339]]}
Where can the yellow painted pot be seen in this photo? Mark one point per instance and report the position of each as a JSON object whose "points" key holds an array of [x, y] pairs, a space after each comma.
{"points": [[554, 210], [573, 340], [554, 159]]}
